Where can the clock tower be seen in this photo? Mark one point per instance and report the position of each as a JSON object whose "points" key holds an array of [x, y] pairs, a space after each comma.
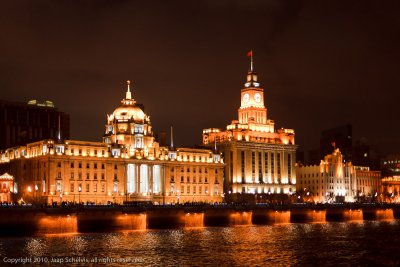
{"points": [[252, 107], [259, 159]]}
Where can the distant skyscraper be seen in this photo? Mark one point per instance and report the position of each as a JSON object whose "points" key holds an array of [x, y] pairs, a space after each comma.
{"points": [[259, 159], [22, 123]]}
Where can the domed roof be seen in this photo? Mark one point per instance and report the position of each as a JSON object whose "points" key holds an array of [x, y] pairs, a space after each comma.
{"points": [[129, 112]]}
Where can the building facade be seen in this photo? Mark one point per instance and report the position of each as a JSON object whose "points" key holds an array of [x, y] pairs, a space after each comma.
{"points": [[391, 189], [6, 187], [335, 180], [127, 166], [23, 123], [390, 166], [259, 159]]}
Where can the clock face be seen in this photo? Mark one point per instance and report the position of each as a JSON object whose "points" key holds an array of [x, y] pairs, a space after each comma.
{"points": [[246, 98], [257, 97]]}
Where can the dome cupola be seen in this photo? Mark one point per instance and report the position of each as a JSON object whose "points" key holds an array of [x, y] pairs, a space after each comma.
{"points": [[128, 125]]}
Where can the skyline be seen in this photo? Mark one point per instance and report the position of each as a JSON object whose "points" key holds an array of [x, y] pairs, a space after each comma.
{"points": [[321, 65]]}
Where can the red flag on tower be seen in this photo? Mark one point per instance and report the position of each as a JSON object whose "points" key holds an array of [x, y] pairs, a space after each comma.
{"points": [[250, 53]]}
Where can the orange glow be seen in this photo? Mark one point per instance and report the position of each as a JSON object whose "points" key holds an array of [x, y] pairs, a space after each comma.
{"points": [[385, 215], [317, 216], [280, 217], [240, 218], [131, 221], [353, 215], [193, 220], [58, 225]]}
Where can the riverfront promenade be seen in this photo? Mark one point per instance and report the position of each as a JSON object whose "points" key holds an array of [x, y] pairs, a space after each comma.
{"points": [[39, 220]]}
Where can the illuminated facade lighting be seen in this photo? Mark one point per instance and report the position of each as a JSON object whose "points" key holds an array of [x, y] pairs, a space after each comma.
{"points": [[129, 165], [259, 159], [334, 180]]}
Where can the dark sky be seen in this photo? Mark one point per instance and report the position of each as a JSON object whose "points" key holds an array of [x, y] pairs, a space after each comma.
{"points": [[322, 63]]}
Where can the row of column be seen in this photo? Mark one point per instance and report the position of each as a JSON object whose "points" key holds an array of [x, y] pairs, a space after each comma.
{"points": [[143, 178]]}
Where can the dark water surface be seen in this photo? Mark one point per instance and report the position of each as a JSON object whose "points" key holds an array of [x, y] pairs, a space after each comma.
{"points": [[365, 243]]}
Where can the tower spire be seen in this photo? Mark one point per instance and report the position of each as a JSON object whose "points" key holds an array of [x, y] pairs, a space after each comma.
{"points": [[251, 74], [59, 128], [172, 138], [251, 61], [128, 92], [250, 54]]}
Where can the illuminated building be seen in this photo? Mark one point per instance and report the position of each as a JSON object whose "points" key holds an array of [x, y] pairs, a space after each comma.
{"points": [[259, 159], [24, 123], [335, 180], [127, 166], [391, 189], [6, 187], [391, 165], [391, 181]]}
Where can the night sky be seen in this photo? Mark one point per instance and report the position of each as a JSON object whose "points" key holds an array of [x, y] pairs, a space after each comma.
{"points": [[322, 63]]}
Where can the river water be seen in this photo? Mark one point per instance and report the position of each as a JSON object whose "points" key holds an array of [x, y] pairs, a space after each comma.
{"points": [[363, 243]]}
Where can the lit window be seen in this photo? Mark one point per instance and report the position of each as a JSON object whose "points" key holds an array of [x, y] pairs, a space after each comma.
{"points": [[58, 186]]}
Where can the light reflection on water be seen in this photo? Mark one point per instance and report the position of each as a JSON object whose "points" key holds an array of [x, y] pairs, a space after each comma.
{"points": [[322, 244]]}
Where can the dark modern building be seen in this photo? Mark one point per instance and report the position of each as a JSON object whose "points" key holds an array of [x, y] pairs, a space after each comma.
{"points": [[22, 123]]}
